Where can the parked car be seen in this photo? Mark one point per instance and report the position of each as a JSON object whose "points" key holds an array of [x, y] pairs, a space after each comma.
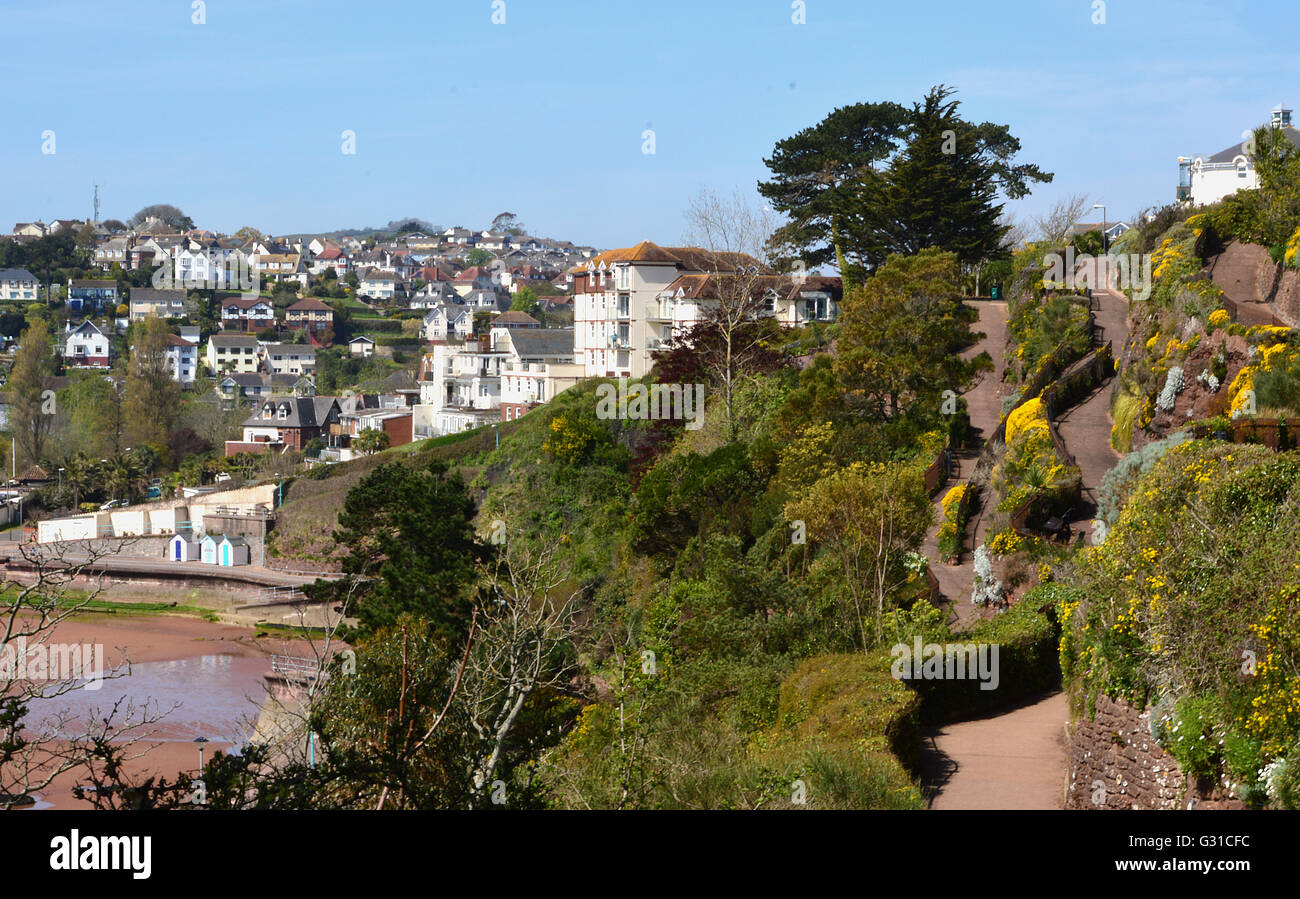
{"points": [[114, 504]]}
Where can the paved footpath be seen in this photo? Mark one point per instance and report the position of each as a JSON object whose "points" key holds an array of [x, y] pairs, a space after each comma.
{"points": [[1085, 428], [1015, 760], [984, 403]]}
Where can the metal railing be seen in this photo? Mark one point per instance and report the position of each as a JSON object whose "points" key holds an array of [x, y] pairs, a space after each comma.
{"points": [[296, 667]]}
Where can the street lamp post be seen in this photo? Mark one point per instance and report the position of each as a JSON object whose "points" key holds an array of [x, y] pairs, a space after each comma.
{"points": [[200, 741], [1102, 207]]}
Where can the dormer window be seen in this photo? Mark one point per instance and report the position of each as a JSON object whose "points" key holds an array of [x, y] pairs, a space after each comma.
{"points": [[266, 411]]}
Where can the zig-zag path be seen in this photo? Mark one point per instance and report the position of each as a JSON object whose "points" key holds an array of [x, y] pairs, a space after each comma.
{"points": [[1015, 759]]}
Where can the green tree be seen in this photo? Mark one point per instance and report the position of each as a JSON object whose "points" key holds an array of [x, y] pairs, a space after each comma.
{"points": [[526, 301], [870, 516], [371, 441], [817, 173], [870, 181], [165, 212], [411, 547], [93, 412], [152, 395], [31, 412], [901, 336], [479, 256]]}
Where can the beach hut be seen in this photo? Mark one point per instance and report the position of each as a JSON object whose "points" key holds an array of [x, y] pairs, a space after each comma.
{"points": [[183, 548], [209, 550], [234, 551]]}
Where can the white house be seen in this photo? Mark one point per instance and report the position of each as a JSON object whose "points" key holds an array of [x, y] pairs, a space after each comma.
{"points": [[289, 358], [448, 322], [361, 346], [182, 359], [378, 284], [18, 284], [1207, 179], [86, 346]]}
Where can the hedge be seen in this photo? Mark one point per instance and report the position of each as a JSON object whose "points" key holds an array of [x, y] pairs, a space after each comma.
{"points": [[1028, 638]]}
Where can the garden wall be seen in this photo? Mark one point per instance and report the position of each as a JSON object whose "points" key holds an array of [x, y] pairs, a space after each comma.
{"points": [[1115, 763]]}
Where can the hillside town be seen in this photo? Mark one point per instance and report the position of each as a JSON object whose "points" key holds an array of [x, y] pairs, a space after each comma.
{"points": [[907, 422]]}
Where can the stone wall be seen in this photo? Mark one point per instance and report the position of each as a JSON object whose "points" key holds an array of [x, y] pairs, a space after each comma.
{"points": [[1115, 763]]}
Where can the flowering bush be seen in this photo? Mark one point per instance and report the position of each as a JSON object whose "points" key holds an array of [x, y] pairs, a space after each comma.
{"points": [[953, 526], [1007, 542], [1219, 318], [1153, 620], [1027, 417]]}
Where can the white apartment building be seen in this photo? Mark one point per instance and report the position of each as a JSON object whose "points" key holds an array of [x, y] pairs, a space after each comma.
{"points": [[460, 388], [628, 302], [482, 381], [538, 366]]}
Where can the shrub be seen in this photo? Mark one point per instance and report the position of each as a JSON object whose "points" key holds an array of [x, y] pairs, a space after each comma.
{"points": [[987, 589], [1169, 393], [1117, 484]]}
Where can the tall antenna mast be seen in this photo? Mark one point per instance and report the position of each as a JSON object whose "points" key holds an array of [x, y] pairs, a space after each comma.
{"points": [[96, 221]]}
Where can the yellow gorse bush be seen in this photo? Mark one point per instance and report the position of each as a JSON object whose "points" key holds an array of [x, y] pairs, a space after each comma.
{"points": [[1026, 418]]}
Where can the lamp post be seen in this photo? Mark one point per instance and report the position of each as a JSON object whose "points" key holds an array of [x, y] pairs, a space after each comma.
{"points": [[200, 741], [1102, 207], [60, 480]]}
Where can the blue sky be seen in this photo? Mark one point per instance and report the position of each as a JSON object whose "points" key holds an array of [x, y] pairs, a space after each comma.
{"points": [[238, 121]]}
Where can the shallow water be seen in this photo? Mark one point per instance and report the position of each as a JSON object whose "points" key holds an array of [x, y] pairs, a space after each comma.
{"points": [[214, 696]]}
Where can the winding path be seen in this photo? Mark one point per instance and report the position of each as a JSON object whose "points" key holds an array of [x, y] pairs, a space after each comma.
{"points": [[984, 404], [1017, 759], [1086, 427]]}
